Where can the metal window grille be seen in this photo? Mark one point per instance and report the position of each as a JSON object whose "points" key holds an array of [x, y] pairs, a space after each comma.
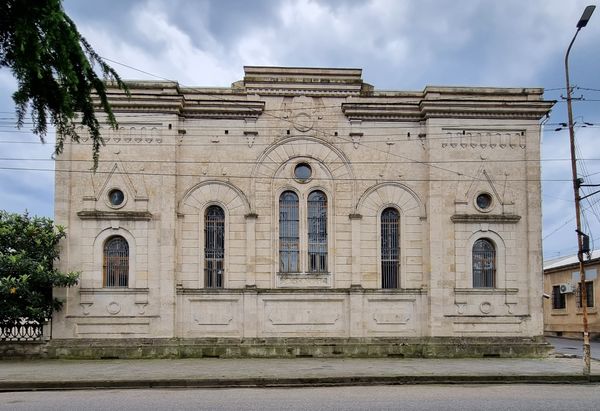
{"points": [[390, 248], [484, 264], [214, 246], [317, 232], [288, 232], [589, 294], [558, 300], [116, 262]]}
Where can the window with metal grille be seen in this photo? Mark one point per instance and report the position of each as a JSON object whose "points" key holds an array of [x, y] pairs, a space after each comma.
{"points": [[116, 262], [214, 246], [484, 264], [390, 248], [589, 294], [317, 232], [559, 300], [289, 239]]}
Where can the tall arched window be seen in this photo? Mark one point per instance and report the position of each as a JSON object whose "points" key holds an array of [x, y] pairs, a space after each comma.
{"points": [[288, 232], [116, 262], [214, 246], [390, 248], [484, 264], [317, 232]]}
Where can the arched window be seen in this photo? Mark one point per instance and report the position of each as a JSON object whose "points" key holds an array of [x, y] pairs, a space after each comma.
{"points": [[288, 232], [116, 262], [390, 248], [484, 264], [317, 232], [214, 246]]}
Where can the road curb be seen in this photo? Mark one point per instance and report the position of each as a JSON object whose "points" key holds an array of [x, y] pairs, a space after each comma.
{"points": [[256, 382]]}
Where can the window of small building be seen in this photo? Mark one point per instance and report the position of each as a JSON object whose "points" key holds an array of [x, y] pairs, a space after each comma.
{"points": [[214, 246], [317, 232], [116, 262], [390, 248], [559, 300], [289, 238], [484, 264], [589, 291]]}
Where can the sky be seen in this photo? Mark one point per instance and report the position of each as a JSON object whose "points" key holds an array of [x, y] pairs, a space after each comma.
{"points": [[399, 44]]}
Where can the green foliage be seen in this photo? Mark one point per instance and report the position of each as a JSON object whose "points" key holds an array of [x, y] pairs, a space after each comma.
{"points": [[54, 68], [28, 249]]}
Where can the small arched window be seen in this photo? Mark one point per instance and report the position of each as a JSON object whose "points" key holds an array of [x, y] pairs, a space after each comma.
{"points": [[214, 246], [289, 241], [116, 262], [390, 248], [484, 264], [317, 232]]}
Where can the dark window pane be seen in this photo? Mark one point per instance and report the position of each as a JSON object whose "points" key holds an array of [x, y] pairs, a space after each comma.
{"points": [[214, 246], [484, 264], [317, 232], [390, 248], [288, 232], [116, 262], [558, 299]]}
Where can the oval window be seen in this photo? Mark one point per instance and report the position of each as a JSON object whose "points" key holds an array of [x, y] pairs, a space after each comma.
{"points": [[302, 172], [116, 197], [484, 201]]}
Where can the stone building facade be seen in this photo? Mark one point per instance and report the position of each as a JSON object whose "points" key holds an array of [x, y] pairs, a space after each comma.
{"points": [[302, 204]]}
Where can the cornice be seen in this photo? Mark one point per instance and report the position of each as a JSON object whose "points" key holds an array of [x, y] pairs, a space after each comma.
{"points": [[486, 218], [223, 109], [114, 215]]}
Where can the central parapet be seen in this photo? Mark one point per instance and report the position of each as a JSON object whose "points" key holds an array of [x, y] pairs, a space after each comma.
{"points": [[293, 81]]}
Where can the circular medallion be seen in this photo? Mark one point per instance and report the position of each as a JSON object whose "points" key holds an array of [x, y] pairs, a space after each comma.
{"points": [[303, 122], [113, 308]]}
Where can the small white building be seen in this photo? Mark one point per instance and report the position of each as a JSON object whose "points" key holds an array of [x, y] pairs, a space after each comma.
{"points": [[303, 212]]}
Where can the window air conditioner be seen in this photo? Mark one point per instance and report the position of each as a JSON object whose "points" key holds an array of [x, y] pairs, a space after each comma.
{"points": [[566, 288]]}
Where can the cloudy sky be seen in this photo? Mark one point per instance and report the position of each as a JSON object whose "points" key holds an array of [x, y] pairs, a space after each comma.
{"points": [[399, 44]]}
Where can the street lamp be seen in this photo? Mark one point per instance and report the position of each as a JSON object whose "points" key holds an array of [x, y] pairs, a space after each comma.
{"points": [[583, 21]]}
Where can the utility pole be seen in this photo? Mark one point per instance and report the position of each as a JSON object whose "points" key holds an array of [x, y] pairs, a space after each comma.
{"points": [[585, 17]]}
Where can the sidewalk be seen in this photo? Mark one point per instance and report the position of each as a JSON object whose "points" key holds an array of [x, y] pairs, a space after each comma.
{"points": [[212, 372]]}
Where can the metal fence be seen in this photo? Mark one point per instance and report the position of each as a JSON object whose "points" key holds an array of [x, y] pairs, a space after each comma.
{"points": [[23, 330]]}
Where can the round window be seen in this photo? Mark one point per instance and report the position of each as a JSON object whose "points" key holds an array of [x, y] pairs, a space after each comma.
{"points": [[116, 197], [302, 172], [484, 201]]}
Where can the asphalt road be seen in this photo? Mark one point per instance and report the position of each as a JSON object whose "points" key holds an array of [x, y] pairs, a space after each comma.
{"points": [[407, 397], [573, 347]]}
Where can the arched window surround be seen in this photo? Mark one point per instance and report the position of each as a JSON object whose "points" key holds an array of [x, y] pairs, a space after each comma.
{"points": [[94, 277], [466, 281], [202, 243], [401, 245]]}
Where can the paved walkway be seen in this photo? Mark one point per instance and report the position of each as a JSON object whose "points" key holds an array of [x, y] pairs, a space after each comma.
{"points": [[212, 372]]}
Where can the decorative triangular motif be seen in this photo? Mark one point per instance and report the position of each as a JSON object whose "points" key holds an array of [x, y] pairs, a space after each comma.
{"points": [[116, 176], [487, 184]]}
